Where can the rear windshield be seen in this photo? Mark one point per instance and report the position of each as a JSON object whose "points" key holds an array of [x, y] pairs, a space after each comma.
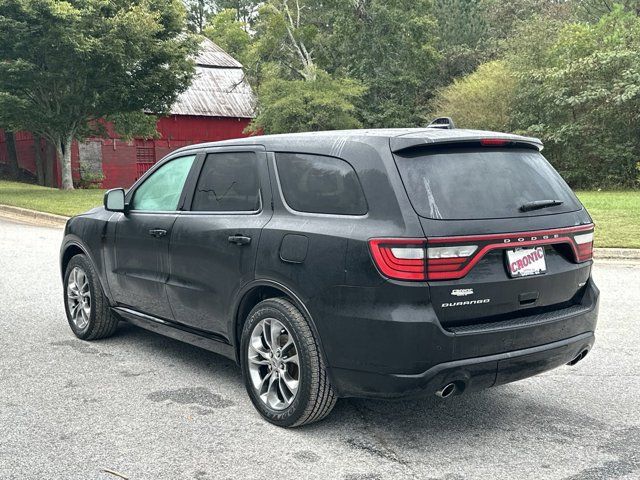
{"points": [[468, 183]]}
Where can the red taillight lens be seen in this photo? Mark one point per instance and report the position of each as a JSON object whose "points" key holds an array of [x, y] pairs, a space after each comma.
{"points": [[451, 258], [584, 245], [445, 263], [399, 258]]}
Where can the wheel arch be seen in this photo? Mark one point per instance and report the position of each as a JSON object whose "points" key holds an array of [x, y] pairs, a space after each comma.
{"points": [[261, 290], [71, 250], [74, 247]]}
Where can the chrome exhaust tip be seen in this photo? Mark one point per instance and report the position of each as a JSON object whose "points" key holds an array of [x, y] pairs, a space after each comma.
{"points": [[579, 357], [446, 391]]}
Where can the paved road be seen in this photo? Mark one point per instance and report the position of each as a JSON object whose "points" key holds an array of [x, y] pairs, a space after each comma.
{"points": [[148, 407]]}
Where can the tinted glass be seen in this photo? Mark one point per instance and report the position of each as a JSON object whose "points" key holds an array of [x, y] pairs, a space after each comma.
{"points": [[228, 183], [161, 191], [459, 184], [318, 184]]}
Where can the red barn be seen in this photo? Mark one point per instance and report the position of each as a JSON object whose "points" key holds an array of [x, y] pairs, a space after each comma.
{"points": [[218, 105]]}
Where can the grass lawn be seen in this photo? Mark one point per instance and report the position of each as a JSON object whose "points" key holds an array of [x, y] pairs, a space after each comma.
{"points": [[617, 214], [49, 200], [617, 217]]}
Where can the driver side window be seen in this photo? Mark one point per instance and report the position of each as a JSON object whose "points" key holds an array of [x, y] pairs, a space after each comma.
{"points": [[161, 191]]}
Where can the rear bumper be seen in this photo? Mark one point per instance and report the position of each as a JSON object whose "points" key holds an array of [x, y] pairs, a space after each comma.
{"points": [[404, 351], [468, 375]]}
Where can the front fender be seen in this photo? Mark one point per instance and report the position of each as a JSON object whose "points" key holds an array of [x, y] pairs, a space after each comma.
{"points": [[86, 235]]}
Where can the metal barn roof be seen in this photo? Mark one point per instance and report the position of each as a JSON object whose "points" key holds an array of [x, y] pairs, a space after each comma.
{"points": [[219, 88]]}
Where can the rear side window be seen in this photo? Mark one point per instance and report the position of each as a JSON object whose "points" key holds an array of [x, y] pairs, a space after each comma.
{"points": [[319, 184], [228, 183], [467, 183]]}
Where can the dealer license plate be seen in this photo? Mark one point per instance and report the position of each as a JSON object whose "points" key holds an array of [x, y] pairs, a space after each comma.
{"points": [[523, 262]]}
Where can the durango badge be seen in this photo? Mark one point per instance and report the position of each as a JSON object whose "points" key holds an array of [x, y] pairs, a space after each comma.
{"points": [[466, 302]]}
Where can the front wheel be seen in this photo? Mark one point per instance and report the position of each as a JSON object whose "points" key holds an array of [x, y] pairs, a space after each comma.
{"points": [[87, 307], [283, 369]]}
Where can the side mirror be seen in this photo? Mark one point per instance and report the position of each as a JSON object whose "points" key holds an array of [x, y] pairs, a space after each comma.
{"points": [[114, 200]]}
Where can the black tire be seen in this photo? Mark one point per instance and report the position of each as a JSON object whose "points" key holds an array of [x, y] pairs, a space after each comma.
{"points": [[315, 397], [102, 322]]}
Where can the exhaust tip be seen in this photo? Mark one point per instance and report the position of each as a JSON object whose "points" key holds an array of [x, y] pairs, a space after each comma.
{"points": [[446, 391], [579, 357]]}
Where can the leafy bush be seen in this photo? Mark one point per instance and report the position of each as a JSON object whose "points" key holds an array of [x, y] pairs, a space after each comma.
{"points": [[304, 105], [576, 85], [482, 100]]}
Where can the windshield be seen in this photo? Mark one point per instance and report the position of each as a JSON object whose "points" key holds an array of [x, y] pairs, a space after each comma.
{"points": [[468, 183]]}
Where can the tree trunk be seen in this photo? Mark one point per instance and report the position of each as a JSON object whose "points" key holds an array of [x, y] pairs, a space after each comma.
{"points": [[49, 162], [37, 145], [63, 152], [14, 169]]}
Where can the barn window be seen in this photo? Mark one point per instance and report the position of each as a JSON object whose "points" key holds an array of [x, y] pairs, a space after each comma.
{"points": [[145, 156]]}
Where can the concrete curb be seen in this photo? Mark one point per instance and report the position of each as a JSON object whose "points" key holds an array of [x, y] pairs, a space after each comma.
{"points": [[617, 253], [51, 220], [32, 216]]}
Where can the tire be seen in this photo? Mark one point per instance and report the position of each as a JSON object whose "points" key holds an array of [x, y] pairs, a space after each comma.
{"points": [[314, 397], [97, 321]]}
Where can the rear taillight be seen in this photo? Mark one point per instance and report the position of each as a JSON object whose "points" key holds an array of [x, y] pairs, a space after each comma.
{"points": [[451, 258], [584, 245], [399, 258], [445, 263]]}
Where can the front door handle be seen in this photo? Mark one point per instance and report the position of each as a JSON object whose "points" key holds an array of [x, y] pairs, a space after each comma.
{"points": [[240, 239], [157, 232]]}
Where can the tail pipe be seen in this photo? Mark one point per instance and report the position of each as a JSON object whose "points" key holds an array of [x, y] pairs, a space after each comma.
{"points": [[447, 390], [578, 357]]}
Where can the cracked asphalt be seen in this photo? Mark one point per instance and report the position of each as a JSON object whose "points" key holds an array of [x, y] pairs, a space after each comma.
{"points": [[147, 407]]}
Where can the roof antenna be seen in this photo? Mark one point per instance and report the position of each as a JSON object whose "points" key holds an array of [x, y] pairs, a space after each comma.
{"points": [[442, 122]]}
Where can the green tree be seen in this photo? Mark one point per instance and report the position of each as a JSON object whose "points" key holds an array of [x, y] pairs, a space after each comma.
{"points": [[246, 10], [482, 100], [462, 36], [13, 170], [66, 65], [323, 103], [285, 38], [231, 35], [294, 93], [585, 100], [504, 16], [574, 83], [198, 14], [390, 46], [593, 10]]}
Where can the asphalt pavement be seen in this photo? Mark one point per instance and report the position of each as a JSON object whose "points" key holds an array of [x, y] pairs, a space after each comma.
{"points": [[141, 406]]}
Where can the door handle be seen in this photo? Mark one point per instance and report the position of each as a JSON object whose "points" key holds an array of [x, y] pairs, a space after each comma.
{"points": [[240, 239], [157, 232]]}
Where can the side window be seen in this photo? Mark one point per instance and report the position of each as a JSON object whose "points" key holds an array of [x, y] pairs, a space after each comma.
{"points": [[228, 183], [319, 184], [161, 191]]}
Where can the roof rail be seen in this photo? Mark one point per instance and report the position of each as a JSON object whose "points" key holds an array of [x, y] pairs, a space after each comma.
{"points": [[442, 122]]}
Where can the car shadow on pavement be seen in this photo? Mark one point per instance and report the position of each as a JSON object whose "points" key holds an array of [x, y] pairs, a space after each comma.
{"points": [[173, 352], [409, 422]]}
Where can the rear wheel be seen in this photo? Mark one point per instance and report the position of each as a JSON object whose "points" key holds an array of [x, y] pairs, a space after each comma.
{"points": [[283, 369], [87, 308]]}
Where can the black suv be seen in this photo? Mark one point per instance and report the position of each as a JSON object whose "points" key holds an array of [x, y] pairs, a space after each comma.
{"points": [[368, 263]]}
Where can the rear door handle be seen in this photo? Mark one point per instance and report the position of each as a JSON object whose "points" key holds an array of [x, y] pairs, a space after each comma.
{"points": [[240, 239], [157, 232]]}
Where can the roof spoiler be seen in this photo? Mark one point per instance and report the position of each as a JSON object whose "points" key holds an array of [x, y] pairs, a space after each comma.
{"points": [[405, 143]]}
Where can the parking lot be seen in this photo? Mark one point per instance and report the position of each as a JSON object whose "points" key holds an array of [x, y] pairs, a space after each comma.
{"points": [[147, 407]]}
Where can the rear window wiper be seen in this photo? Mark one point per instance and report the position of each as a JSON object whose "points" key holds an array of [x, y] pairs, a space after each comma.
{"points": [[538, 204]]}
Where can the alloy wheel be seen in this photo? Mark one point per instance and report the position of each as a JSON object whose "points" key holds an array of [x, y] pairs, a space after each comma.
{"points": [[79, 298], [274, 364]]}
